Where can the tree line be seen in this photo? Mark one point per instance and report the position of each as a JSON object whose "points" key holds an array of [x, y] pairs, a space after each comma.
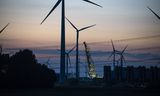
{"points": [[22, 70]]}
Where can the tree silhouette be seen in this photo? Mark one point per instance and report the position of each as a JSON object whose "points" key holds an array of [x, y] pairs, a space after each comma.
{"points": [[4, 61], [25, 72]]}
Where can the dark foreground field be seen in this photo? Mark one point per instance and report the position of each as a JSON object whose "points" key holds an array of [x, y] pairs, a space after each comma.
{"points": [[80, 92]]}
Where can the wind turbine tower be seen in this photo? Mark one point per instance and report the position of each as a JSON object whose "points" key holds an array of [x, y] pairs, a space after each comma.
{"points": [[121, 56]]}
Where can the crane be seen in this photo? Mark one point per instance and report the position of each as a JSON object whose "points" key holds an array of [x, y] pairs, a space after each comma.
{"points": [[91, 68]]}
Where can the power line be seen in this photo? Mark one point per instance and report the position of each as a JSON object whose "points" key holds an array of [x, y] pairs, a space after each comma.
{"points": [[128, 39]]}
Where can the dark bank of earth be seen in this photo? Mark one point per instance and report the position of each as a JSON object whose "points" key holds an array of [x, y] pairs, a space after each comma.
{"points": [[80, 92]]}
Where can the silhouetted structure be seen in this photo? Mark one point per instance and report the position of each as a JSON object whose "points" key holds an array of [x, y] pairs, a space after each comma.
{"points": [[117, 72], [22, 71], [129, 73], [138, 75], [91, 67], [107, 73]]}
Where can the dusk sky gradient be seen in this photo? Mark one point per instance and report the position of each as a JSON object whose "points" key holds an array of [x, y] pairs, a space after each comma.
{"points": [[118, 19], [122, 20]]}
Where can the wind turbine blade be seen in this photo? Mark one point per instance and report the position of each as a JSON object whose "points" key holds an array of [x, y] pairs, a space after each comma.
{"points": [[87, 27], [110, 56], [55, 6], [4, 28], [113, 45], [71, 24], [153, 12], [92, 3], [124, 49], [72, 49]]}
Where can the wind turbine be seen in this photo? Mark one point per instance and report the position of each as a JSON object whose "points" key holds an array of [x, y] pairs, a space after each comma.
{"points": [[62, 59], [121, 61], [121, 56], [114, 52], [77, 47], [153, 12], [68, 60], [4, 28]]}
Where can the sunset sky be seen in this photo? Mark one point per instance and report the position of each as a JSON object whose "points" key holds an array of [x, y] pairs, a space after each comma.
{"points": [[118, 19], [126, 22]]}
